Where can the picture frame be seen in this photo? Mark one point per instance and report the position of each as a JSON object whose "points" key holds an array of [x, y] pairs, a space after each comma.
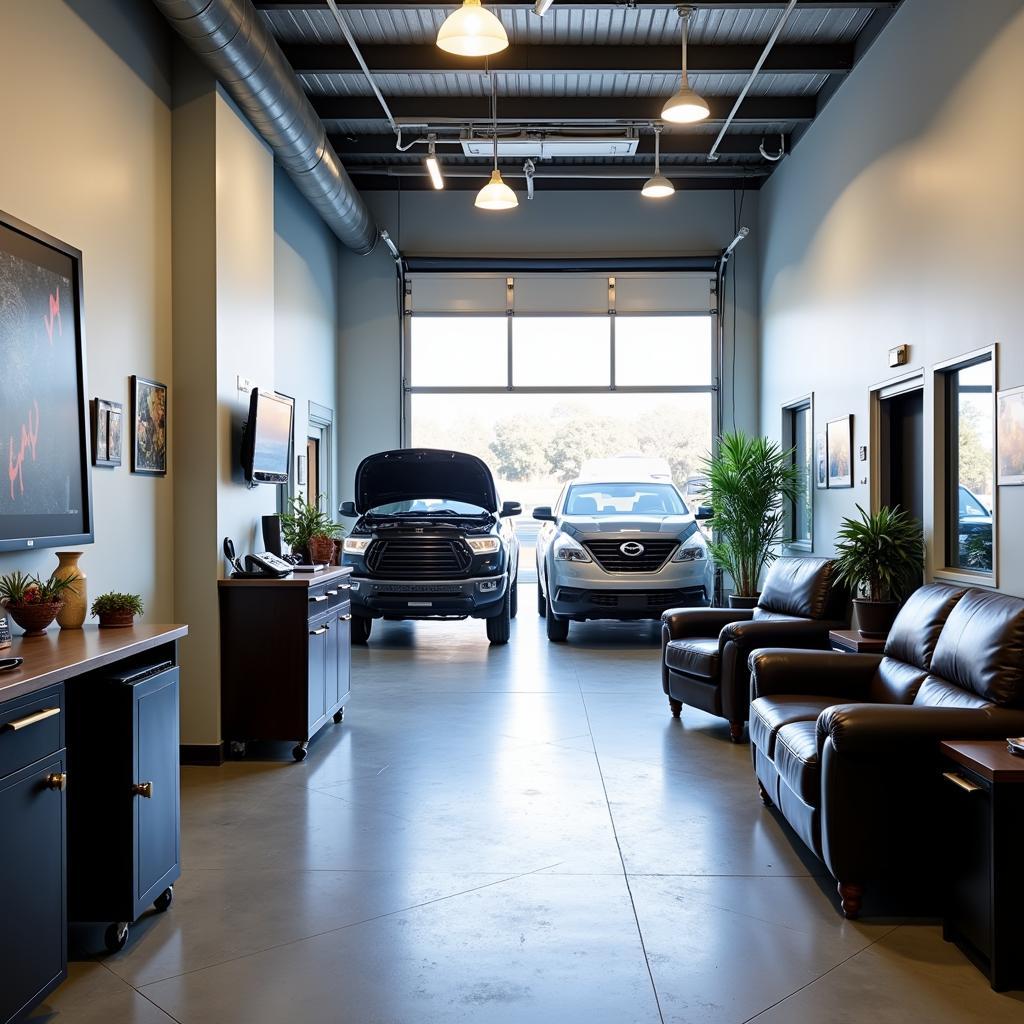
{"points": [[820, 461], [106, 432], [839, 449], [149, 426], [1010, 437]]}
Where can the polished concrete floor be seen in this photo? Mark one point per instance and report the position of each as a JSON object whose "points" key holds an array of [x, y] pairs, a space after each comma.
{"points": [[518, 834]]}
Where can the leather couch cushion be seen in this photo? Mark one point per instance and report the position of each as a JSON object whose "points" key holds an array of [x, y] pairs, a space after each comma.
{"points": [[981, 647], [895, 682], [916, 630], [799, 586], [796, 760], [769, 714], [696, 656], [938, 693]]}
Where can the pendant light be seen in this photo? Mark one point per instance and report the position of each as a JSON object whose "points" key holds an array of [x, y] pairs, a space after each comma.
{"points": [[495, 195], [472, 31], [686, 106], [659, 186]]}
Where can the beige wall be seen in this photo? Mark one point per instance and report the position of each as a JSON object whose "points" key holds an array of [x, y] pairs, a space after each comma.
{"points": [[899, 219], [87, 157]]}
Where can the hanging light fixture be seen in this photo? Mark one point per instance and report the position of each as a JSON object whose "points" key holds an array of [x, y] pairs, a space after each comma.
{"points": [[495, 195], [659, 186], [472, 31], [686, 106], [433, 167]]}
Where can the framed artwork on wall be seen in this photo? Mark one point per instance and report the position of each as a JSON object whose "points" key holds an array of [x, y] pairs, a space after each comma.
{"points": [[1010, 437], [820, 461], [106, 432], [839, 448], [149, 427]]}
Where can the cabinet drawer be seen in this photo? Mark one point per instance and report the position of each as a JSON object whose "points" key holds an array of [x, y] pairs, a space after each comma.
{"points": [[318, 600], [31, 728], [338, 595]]}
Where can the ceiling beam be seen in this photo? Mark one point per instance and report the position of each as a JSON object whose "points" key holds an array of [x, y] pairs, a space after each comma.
{"points": [[420, 5], [423, 110], [380, 183], [420, 60]]}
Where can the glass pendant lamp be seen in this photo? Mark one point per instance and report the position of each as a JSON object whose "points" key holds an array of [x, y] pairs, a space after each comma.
{"points": [[659, 186], [472, 31], [495, 195]]}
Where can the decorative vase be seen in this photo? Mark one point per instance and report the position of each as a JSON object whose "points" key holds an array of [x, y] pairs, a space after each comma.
{"points": [[321, 549], [34, 618], [736, 601], [116, 620], [76, 602], [875, 618]]}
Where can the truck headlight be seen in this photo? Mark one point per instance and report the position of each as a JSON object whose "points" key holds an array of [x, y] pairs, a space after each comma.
{"points": [[483, 545], [356, 545], [690, 553], [567, 550]]}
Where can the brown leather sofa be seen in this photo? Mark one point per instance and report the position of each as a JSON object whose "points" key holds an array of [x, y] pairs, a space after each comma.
{"points": [[846, 745], [704, 651]]}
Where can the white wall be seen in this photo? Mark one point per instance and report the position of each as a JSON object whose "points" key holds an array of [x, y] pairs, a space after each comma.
{"points": [[86, 157], [898, 219]]}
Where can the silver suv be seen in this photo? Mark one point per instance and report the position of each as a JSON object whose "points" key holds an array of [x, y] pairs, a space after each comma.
{"points": [[618, 549]]}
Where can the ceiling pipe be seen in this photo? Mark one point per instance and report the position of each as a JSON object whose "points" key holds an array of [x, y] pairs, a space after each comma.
{"points": [[232, 41], [776, 32], [585, 172]]}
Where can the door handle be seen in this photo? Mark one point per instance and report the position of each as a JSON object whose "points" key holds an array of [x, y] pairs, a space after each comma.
{"points": [[57, 780], [318, 599], [318, 632], [964, 784], [24, 723], [345, 618], [143, 789]]}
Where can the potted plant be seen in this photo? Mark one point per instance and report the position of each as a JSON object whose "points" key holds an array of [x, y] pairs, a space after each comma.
{"points": [[116, 610], [879, 558], [309, 531], [750, 479], [33, 603]]}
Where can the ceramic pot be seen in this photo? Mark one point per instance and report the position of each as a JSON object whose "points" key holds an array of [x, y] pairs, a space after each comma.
{"points": [[34, 618], [736, 601], [875, 618], [116, 620], [76, 601], [321, 549]]}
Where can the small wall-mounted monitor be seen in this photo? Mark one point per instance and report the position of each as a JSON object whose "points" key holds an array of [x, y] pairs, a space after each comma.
{"points": [[266, 444]]}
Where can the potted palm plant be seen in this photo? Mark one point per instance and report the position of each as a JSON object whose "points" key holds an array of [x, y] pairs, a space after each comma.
{"points": [[750, 480], [309, 531], [879, 558]]}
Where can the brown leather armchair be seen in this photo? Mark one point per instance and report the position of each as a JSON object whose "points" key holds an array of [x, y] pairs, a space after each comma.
{"points": [[704, 651], [846, 745]]}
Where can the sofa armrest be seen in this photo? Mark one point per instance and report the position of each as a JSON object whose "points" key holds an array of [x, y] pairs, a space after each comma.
{"points": [[678, 623], [799, 671], [808, 633]]}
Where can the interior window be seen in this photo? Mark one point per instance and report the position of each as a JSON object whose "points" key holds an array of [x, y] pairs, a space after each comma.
{"points": [[798, 435]]}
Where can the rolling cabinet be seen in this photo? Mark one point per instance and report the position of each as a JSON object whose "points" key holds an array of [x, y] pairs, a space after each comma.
{"points": [[285, 657]]}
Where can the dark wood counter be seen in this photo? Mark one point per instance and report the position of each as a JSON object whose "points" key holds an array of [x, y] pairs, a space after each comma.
{"points": [[988, 758], [296, 579]]}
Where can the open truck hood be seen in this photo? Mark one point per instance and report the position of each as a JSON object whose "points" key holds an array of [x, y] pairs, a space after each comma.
{"points": [[411, 474]]}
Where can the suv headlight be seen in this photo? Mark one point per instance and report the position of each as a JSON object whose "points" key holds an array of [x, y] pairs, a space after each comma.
{"points": [[356, 545], [483, 545], [567, 550], [690, 553]]}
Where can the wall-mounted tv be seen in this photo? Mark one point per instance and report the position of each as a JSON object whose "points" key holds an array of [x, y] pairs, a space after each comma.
{"points": [[45, 483], [266, 444]]}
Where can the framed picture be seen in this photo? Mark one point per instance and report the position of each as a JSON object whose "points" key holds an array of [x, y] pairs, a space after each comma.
{"points": [[1010, 437], [839, 450], [820, 461], [106, 432], [149, 422]]}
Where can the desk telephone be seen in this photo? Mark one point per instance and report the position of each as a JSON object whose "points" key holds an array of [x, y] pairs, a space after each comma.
{"points": [[257, 565]]}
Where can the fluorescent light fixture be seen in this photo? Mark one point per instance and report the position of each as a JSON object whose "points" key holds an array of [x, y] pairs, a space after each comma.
{"points": [[686, 106], [541, 7], [657, 187], [433, 167], [472, 31], [496, 195], [545, 146]]}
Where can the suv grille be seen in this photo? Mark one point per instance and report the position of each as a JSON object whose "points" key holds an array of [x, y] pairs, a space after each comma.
{"points": [[609, 556], [418, 558]]}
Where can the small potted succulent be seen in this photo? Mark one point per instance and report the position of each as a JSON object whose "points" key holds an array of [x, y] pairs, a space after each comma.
{"points": [[32, 602], [309, 531], [116, 610], [879, 559]]}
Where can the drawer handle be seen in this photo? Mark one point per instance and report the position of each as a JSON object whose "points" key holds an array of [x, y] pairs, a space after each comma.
{"points": [[346, 586], [332, 593], [959, 780], [143, 789], [24, 723], [345, 618], [318, 599], [57, 780], [318, 632]]}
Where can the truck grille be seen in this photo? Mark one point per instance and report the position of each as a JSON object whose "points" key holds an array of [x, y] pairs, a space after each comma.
{"points": [[418, 558], [608, 554]]}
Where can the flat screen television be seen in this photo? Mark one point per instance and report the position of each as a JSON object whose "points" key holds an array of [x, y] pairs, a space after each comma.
{"points": [[45, 478], [266, 444]]}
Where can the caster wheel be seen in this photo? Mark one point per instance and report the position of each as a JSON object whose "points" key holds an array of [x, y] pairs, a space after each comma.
{"points": [[238, 748], [299, 752], [339, 716], [165, 899], [116, 936]]}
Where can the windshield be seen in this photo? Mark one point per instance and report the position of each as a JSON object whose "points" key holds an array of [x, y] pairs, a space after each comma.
{"points": [[428, 507], [970, 506], [623, 499]]}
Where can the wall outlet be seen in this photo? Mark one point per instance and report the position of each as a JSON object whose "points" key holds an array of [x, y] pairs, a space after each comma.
{"points": [[245, 384], [899, 356]]}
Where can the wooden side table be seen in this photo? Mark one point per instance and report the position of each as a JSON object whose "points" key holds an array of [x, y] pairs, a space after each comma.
{"points": [[851, 642], [982, 809]]}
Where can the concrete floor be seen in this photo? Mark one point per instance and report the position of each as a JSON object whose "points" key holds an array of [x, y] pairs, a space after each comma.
{"points": [[518, 834]]}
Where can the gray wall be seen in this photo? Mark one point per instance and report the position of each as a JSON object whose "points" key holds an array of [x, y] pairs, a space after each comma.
{"points": [[553, 224], [898, 219], [87, 157]]}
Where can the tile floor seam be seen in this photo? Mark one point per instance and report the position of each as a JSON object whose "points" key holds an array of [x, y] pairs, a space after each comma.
{"points": [[124, 981]]}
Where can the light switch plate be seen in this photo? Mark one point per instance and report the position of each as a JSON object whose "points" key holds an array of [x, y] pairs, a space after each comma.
{"points": [[862, 452], [245, 384]]}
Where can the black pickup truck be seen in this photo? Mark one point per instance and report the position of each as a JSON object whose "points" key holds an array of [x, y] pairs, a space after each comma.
{"points": [[431, 541]]}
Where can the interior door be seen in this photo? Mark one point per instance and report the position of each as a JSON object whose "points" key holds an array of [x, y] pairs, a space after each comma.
{"points": [[316, 707]]}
